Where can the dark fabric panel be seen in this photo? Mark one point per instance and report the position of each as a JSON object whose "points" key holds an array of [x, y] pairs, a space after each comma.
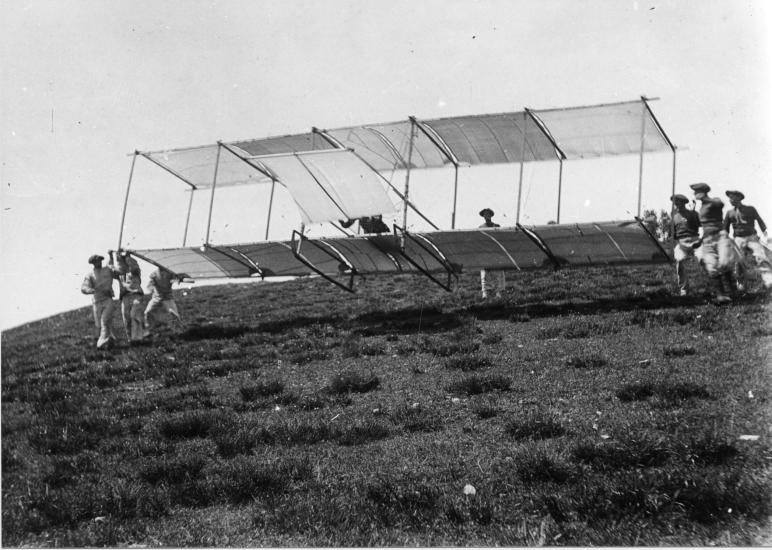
{"points": [[489, 249], [275, 259], [600, 243], [365, 256]]}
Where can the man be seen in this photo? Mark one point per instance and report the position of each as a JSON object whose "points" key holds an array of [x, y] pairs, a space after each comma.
{"points": [[99, 283], [368, 224], [687, 239], [742, 218], [487, 214], [160, 285], [130, 296], [716, 249]]}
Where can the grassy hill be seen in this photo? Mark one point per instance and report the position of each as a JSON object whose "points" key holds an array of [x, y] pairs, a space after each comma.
{"points": [[583, 407]]}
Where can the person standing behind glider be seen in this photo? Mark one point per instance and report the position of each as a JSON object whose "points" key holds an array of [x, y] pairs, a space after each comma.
{"points": [[368, 224], [716, 253], [742, 218], [687, 239], [487, 214], [160, 285], [130, 296], [99, 283]]}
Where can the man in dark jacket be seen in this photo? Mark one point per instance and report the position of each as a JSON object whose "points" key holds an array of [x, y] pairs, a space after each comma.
{"points": [[687, 239], [742, 219]]}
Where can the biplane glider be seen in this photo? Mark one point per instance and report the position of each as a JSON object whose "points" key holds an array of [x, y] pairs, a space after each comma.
{"points": [[340, 174]]}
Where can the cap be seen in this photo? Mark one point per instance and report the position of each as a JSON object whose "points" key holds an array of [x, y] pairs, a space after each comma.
{"points": [[94, 258], [486, 212], [735, 195], [678, 198], [700, 187]]}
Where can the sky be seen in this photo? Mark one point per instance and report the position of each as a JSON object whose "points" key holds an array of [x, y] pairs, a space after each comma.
{"points": [[84, 83]]}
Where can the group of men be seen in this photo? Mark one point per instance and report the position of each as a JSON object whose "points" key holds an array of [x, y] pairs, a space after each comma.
{"points": [[138, 320], [704, 234]]}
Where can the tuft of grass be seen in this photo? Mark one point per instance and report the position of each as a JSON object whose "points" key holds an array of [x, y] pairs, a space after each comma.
{"points": [[355, 346], [630, 453], [172, 470], [484, 409], [539, 466], [590, 361], [534, 426], [660, 318], [244, 479], [669, 393], [678, 351], [491, 339], [181, 376], [708, 449], [188, 424], [476, 384], [635, 392], [362, 432], [467, 362], [682, 391], [416, 418], [351, 381], [408, 501], [68, 469], [261, 389], [461, 343], [213, 332], [519, 317]]}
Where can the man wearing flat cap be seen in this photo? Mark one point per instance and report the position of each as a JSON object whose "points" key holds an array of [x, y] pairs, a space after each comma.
{"points": [[487, 214], [687, 239], [742, 219], [99, 283], [717, 252]]}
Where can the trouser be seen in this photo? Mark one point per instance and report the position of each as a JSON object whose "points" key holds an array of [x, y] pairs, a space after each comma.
{"points": [[133, 316], [718, 256], [753, 244], [498, 286], [157, 303], [683, 250], [103, 319]]}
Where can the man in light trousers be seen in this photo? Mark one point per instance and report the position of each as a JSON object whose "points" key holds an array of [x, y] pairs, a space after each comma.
{"points": [[716, 251], [160, 286], [130, 279], [99, 284], [485, 282]]}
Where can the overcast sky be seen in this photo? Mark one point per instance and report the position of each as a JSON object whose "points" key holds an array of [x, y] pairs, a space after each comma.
{"points": [[84, 83]]}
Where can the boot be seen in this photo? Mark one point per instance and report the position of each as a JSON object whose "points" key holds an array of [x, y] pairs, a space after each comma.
{"points": [[729, 284], [718, 286]]}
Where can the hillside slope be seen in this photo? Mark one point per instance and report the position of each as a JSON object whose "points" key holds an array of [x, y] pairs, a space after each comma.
{"points": [[586, 407]]}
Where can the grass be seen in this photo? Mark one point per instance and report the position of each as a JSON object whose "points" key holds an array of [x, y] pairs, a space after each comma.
{"points": [[587, 408]]}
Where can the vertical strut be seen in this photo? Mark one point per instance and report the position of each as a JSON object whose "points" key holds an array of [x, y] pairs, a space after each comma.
{"points": [[522, 161], [126, 200], [214, 184]]}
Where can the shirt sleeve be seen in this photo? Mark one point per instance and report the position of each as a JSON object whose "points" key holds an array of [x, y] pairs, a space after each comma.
{"points": [[151, 281], [88, 285], [762, 225]]}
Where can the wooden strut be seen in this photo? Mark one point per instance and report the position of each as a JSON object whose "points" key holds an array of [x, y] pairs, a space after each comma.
{"points": [[436, 254], [126, 199], [296, 245], [541, 245]]}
